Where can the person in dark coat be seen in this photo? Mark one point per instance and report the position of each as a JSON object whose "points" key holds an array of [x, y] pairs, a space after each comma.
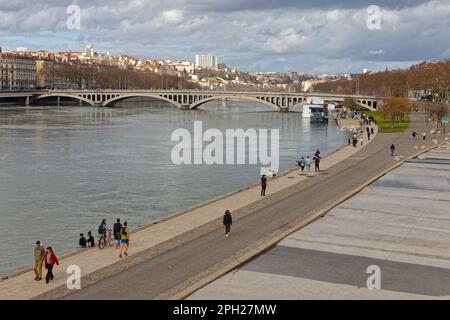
{"points": [[263, 185], [392, 150], [316, 163], [227, 222]]}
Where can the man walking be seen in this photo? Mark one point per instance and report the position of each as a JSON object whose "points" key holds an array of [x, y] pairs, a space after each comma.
{"points": [[302, 163], [263, 185], [424, 135], [316, 163], [392, 150], [39, 252], [116, 229], [227, 222], [124, 239]]}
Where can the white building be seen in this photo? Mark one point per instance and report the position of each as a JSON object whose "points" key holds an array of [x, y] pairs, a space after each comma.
{"points": [[89, 51], [206, 61]]}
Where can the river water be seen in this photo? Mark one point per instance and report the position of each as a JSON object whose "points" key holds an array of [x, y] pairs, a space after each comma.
{"points": [[62, 169]]}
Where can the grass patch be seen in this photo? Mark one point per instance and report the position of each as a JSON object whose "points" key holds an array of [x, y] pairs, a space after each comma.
{"points": [[386, 126]]}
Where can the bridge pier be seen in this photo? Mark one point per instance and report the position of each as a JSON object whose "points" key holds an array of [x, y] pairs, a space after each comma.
{"points": [[185, 107], [284, 109]]}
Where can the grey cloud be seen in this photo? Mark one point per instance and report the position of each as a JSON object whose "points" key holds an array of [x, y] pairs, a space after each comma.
{"points": [[266, 34]]}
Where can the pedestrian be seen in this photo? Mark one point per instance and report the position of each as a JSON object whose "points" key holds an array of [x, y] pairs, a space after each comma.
{"points": [[355, 142], [50, 260], [368, 135], [116, 229], [82, 243], [302, 163], [39, 253], [414, 134], [263, 185], [124, 240], [227, 222], [372, 131], [308, 163], [361, 140], [316, 163], [392, 150], [90, 240], [317, 154], [349, 141], [424, 135]]}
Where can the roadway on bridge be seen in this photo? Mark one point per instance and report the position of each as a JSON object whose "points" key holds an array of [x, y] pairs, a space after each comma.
{"points": [[155, 277]]}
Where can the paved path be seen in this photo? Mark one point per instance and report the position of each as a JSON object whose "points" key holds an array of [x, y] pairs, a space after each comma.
{"points": [[400, 223], [175, 251], [154, 277], [160, 237]]}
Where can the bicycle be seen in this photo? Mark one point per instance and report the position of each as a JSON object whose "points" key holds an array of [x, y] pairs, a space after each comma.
{"points": [[106, 239]]}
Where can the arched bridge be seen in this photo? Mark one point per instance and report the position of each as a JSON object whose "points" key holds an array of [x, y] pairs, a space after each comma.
{"points": [[280, 101]]}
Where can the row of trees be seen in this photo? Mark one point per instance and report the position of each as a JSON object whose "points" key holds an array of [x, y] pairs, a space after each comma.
{"points": [[110, 77], [423, 78]]}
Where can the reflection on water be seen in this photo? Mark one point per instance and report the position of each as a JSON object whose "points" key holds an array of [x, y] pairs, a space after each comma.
{"points": [[64, 168]]}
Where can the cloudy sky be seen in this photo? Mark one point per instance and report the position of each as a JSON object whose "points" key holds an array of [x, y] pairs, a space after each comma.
{"points": [[253, 35]]}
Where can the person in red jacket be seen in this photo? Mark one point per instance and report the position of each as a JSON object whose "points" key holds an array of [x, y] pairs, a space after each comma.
{"points": [[50, 260]]}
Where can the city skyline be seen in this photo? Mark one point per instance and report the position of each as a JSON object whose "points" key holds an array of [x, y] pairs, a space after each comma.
{"points": [[319, 37]]}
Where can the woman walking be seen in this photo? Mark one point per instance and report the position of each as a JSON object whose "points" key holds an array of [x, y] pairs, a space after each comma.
{"points": [[50, 260]]}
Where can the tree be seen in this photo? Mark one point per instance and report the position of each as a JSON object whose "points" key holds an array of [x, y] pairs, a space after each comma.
{"points": [[395, 109], [350, 103]]}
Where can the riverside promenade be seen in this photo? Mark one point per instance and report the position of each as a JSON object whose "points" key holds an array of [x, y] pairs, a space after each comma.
{"points": [[164, 235], [399, 223], [176, 256]]}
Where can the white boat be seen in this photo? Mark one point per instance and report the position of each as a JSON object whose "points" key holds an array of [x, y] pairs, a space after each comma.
{"points": [[313, 105]]}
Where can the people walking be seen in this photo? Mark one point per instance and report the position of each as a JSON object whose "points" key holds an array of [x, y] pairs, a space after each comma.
{"points": [[124, 240], [227, 222], [361, 140], [50, 260], [116, 229], [302, 163], [372, 131], [392, 150], [263, 185], [368, 135], [316, 163], [424, 135], [414, 135], [39, 253], [82, 243], [308, 163]]}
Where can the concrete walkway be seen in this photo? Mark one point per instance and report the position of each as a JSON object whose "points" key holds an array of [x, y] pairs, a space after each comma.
{"points": [[178, 271], [162, 236], [400, 223]]}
